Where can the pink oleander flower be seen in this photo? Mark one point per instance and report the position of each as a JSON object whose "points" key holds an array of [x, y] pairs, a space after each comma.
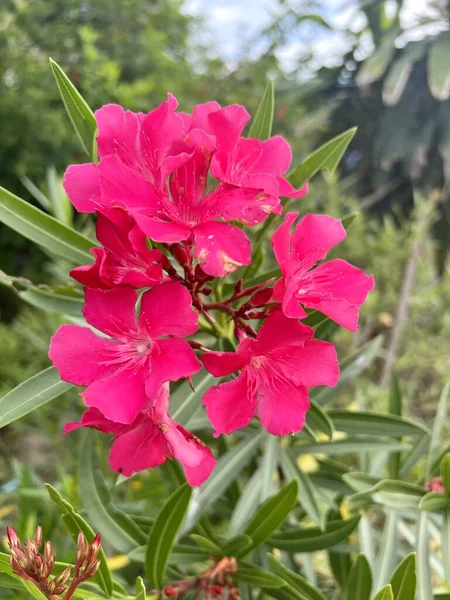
{"points": [[123, 372], [156, 166], [277, 368], [124, 259], [151, 439], [335, 288]]}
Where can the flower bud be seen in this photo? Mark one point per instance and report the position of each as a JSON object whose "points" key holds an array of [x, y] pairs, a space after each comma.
{"points": [[180, 254], [217, 590], [435, 484], [63, 577], [38, 537], [13, 538], [169, 591], [261, 298], [200, 274]]}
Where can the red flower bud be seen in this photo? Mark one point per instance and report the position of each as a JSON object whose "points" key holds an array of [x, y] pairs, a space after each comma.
{"points": [[13, 538], [169, 591], [217, 590], [180, 254], [261, 298]]}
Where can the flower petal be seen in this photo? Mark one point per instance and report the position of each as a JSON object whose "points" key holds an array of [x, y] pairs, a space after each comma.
{"points": [[91, 275], [197, 459], [314, 237], [82, 185], [272, 156], [167, 310], [94, 419], [111, 311], [118, 131], [158, 230], [282, 408], [171, 359], [80, 355], [244, 204], [200, 115], [230, 405], [225, 363], [286, 190], [313, 363], [221, 248], [279, 331], [281, 239]]}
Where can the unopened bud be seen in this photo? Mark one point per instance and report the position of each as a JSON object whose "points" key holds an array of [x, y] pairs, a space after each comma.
{"points": [[180, 254], [436, 484], [94, 549], [200, 274], [261, 298], [169, 591], [238, 287], [38, 537], [217, 590], [91, 570], [82, 551], [63, 577], [13, 538]]}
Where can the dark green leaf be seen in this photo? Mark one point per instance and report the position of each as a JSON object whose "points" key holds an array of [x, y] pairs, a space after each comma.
{"points": [[254, 575], [269, 465], [163, 534], [35, 225], [384, 594], [206, 544], [433, 501], [271, 514], [393, 494], [395, 408], [261, 126], [181, 554], [313, 538], [319, 420], [374, 423], [359, 583], [404, 579], [247, 504], [296, 581], [31, 394], [445, 472], [80, 114], [184, 402], [328, 156], [438, 429], [237, 545], [349, 446]]}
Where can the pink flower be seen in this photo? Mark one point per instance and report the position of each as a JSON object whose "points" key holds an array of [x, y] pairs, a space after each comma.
{"points": [[277, 368], [124, 259], [156, 167], [151, 439], [123, 372], [334, 288]]}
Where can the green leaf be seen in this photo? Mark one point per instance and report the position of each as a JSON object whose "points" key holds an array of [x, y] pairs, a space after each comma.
{"points": [[445, 544], [349, 446], [163, 534], [373, 423], [359, 583], [425, 588], [395, 408], [31, 394], [237, 545], [80, 114], [389, 493], [141, 593], [438, 430], [296, 581], [247, 504], [313, 538], [257, 576], [271, 514], [444, 468], [306, 492], [328, 156], [185, 402], [228, 467], [398, 76], [438, 67], [51, 301], [269, 465], [404, 579], [261, 126], [384, 564], [35, 225], [206, 544], [385, 593], [75, 523], [116, 527], [433, 501], [181, 554], [319, 420], [375, 65]]}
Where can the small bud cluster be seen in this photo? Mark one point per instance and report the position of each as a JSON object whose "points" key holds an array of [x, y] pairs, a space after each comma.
{"points": [[28, 563]]}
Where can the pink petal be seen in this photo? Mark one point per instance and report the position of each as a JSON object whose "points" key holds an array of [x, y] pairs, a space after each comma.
{"points": [[89, 275], [278, 331], [197, 459], [158, 230], [313, 363], [142, 447], [283, 407], [221, 248], [225, 363], [230, 405], [121, 396], [171, 359], [281, 239], [80, 356], [167, 310], [111, 311], [272, 156], [290, 303], [314, 237], [226, 125], [112, 229], [82, 185], [118, 133], [244, 204], [286, 190], [94, 419], [200, 115]]}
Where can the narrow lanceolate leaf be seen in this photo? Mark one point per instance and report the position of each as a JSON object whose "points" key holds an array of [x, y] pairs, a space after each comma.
{"points": [[438, 429], [306, 491], [35, 225], [398, 495], [237, 545], [425, 588], [115, 526], [247, 504], [31, 394], [375, 65], [261, 125], [318, 419], [185, 401], [349, 445], [438, 67], [75, 523], [163, 534], [271, 514], [313, 538], [359, 583], [434, 501], [328, 156], [445, 544], [256, 576], [51, 301], [404, 579], [395, 408], [141, 593], [297, 582], [444, 468], [228, 467], [80, 114], [395, 82], [374, 423], [269, 465], [385, 594]]}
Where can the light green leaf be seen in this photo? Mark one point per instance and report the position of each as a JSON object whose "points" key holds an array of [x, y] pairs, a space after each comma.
{"points": [[296, 581], [206, 544], [395, 408], [257, 576], [389, 493], [398, 76], [75, 523], [359, 583], [444, 468], [348, 446], [445, 544], [374, 423], [385, 593], [237, 545], [306, 491], [319, 420], [271, 514], [181, 554], [115, 526], [438, 430], [328, 156], [36, 193], [425, 588], [80, 114], [247, 504], [141, 593], [438, 67], [163, 534], [61, 206], [313, 538], [433, 501], [228, 467], [35, 225], [269, 465], [384, 565], [31, 394], [404, 579], [53, 301], [375, 65], [261, 126], [185, 402]]}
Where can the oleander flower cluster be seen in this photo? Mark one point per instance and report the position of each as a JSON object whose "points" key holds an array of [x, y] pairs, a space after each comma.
{"points": [[173, 195]]}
